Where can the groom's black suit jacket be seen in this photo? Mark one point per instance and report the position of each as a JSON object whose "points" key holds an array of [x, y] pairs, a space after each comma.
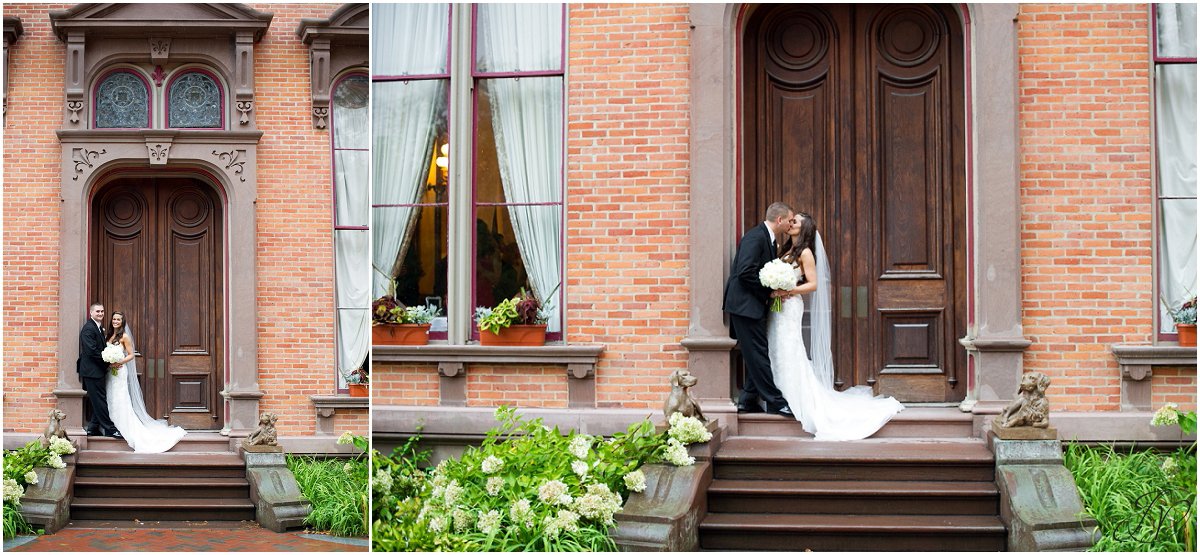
{"points": [[744, 293], [91, 344]]}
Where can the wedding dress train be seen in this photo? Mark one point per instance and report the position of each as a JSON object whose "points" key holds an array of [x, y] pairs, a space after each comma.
{"points": [[128, 412], [828, 414]]}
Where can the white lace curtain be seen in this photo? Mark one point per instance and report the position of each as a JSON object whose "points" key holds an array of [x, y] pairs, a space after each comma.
{"points": [[527, 117], [409, 39], [1175, 105], [351, 130]]}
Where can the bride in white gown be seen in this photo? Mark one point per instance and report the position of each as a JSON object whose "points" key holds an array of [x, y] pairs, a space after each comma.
{"points": [[828, 414], [125, 405]]}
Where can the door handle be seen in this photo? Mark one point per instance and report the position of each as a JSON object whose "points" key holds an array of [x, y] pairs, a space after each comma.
{"points": [[149, 368], [862, 302], [845, 309], [162, 368]]}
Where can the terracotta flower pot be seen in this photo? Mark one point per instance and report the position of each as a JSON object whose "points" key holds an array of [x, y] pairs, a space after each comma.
{"points": [[359, 390], [400, 334], [1187, 334], [516, 335]]}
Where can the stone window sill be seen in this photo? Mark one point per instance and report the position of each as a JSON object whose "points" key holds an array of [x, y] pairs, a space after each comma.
{"points": [[328, 405], [1137, 367]]}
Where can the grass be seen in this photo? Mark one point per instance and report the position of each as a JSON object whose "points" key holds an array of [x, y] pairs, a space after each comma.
{"points": [[337, 489], [1143, 500], [14, 523]]}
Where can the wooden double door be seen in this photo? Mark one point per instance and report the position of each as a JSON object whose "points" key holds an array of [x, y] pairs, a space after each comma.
{"points": [[157, 256], [854, 114]]}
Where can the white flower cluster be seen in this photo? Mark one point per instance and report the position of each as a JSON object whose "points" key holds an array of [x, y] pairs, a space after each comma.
{"points": [[61, 446], [1170, 467], [491, 465], [494, 484], [1168, 415], [580, 446], [12, 491], [56, 461], [463, 520], [383, 481], [31, 478], [778, 275], [636, 481], [112, 353], [554, 492], [346, 438], [677, 454], [564, 521], [489, 522], [688, 429], [580, 468], [599, 504], [522, 513]]}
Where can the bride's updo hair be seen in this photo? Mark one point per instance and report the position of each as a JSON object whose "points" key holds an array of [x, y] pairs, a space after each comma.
{"points": [[806, 240], [114, 333]]}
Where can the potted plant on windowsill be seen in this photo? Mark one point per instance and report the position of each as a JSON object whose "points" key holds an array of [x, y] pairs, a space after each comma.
{"points": [[1185, 322], [516, 322], [359, 382], [401, 325]]}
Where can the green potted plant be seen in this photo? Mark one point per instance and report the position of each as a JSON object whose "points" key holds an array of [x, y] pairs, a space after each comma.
{"points": [[359, 382], [392, 323], [1185, 322], [516, 322]]}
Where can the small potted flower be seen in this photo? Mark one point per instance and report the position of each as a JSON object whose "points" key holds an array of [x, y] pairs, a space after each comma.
{"points": [[359, 382], [516, 322], [1185, 322], [395, 324]]}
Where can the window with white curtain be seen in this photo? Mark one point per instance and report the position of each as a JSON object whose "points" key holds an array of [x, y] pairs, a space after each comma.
{"points": [[503, 63], [349, 124], [1175, 164]]}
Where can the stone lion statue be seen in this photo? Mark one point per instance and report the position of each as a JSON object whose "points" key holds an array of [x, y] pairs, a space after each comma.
{"points": [[1030, 408], [680, 400], [54, 428], [265, 434]]}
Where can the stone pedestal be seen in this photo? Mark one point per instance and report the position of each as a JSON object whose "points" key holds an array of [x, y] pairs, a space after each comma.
{"points": [[47, 504], [665, 517], [1039, 502], [278, 504]]}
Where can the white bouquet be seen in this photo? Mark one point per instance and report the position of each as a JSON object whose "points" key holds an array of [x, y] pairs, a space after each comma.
{"points": [[112, 354], [778, 275]]}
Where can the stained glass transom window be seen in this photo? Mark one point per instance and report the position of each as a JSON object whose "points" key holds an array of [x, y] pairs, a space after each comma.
{"points": [[195, 101], [122, 101]]}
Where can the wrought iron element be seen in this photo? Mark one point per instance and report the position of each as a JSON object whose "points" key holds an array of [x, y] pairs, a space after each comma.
{"points": [[122, 101], [195, 102]]}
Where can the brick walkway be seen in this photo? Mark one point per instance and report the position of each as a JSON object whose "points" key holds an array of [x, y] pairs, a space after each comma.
{"points": [[181, 536]]}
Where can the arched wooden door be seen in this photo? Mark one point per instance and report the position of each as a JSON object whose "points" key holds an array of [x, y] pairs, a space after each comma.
{"points": [[854, 114], [157, 255]]}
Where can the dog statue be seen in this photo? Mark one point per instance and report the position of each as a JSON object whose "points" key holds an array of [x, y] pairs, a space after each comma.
{"points": [[54, 428], [680, 400], [1030, 408], [265, 434]]}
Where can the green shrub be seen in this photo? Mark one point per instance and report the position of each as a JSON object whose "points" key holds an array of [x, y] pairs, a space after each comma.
{"points": [[19, 474], [337, 489], [527, 487]]}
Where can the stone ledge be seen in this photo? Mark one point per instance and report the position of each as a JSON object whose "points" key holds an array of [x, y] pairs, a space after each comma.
{"points": [[1137, 366], [546, 354], [328, 405]]}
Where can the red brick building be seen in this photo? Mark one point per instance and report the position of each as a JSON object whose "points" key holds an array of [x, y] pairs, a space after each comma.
{"points": [[177, 162], [988, 179]]}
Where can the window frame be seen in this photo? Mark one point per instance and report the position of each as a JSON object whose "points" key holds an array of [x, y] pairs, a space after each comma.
{"points": [[184, 71], [1156, 215], [342, 386], [109, 72]]}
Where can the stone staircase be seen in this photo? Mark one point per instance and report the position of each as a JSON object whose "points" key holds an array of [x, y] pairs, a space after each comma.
{"points": [[198, 479], [921, 484]]}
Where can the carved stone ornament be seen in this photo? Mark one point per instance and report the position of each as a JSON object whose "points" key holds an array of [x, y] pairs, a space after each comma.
{"points": [[158, 76], [54, 428], [680, 399], [233, 161], [320, 115], [265, 435], [1028, 416], [244, 107], [160, 48], [84, 160], [158, 153], [74, 106]]}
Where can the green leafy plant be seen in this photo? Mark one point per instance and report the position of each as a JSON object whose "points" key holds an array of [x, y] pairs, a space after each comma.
{"points": [[337, 488], [524, 309], [1186, 313], [526, 487], [419, 314], [360, 376], [20, 473]]}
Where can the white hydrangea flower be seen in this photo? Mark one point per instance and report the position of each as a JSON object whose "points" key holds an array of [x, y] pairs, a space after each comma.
{"points": [[580, 468], [551, 492], [636, 481], [521, 513], [31, 477], [494, 484], [383, 481], [13, 491], [677, 454], [599, 504], [565, 520], [346, 438], [489, 522], [491, 465], [580, 446], [1169, 467], [56, 461], [1168, 415], [463, 520], [688, 429], [61, 446], [452, 492], [347, 468], [439, 523]]}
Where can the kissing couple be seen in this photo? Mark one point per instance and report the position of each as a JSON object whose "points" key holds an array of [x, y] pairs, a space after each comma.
{"points": [[779, 371], [118, 409]]}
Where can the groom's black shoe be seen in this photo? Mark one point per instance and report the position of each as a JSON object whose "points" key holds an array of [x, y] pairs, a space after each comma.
{"points": [[783, 411], [749, 407], [93, 433], [116, 435]]}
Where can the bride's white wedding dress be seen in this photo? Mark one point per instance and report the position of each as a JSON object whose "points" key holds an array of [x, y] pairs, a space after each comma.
{"points": [[828, 414], [128, 412]]}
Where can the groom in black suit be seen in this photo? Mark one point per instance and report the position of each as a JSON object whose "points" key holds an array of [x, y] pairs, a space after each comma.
{"points": [[93, 372], [746, 302]]}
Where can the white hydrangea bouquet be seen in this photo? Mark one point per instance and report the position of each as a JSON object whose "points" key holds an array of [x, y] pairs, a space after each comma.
{"points": [[778, 275], [112, 354]]}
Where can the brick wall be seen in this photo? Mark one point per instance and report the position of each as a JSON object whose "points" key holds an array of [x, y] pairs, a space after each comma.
{"points": [[1173, 385], [1086, 196], [404, 384], [295, 306]]}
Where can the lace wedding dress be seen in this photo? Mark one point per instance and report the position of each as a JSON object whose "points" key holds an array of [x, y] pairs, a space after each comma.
{"points": [[828, 414], [128, 412]]}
